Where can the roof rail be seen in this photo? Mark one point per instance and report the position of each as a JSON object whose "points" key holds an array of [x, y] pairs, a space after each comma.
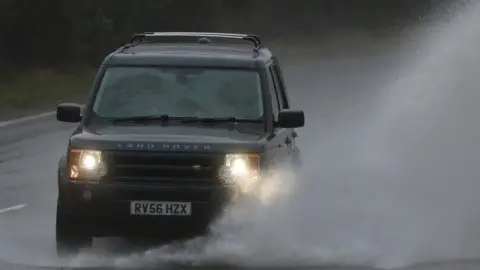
{"points": [[197, 36]]}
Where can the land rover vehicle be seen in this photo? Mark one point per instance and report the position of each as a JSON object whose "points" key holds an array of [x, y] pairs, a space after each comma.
{"points": [[176, 125]]}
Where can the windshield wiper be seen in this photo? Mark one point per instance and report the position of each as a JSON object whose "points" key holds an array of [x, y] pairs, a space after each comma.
{"points": [[214, 120], [141, 119], [166, 118]]}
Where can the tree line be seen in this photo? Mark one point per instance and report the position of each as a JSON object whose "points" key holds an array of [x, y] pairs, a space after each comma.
{"points": [[60, 33]]}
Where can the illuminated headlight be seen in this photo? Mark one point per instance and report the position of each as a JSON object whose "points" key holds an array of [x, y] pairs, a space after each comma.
{"points": [[86, 165], [241, 169]]}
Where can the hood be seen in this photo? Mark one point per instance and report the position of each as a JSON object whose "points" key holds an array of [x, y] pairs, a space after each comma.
{"points": [[170, 138]]}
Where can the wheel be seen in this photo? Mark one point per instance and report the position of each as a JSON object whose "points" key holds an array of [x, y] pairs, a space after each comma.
{"points": [[69, 237]]}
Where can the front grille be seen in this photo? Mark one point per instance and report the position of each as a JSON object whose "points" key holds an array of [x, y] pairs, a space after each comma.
{"points": [[164, 168]]}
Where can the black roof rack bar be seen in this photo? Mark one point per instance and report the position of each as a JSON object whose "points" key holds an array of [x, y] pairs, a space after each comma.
{"points": [[255, 39]]}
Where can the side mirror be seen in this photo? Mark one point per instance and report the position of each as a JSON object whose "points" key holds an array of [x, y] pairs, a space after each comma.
{"points": [[69, 112], [291, 119]]}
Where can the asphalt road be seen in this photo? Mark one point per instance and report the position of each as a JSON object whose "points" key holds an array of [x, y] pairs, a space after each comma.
{"points": [[338, 94]]}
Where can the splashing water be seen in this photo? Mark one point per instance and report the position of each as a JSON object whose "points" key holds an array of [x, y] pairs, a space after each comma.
{"points": [[393, 183]]}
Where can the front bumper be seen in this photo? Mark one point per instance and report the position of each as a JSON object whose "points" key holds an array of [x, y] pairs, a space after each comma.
{"points": [[104, 209]]}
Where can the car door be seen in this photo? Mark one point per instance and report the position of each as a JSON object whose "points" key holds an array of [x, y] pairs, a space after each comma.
{"points": [[284, 136], [297, 161]]}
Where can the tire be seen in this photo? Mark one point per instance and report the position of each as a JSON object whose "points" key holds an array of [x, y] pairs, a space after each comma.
{"points": [[69, 237]]}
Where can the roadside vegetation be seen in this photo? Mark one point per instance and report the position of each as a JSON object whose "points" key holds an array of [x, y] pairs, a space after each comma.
{"points": [[43, 87]]}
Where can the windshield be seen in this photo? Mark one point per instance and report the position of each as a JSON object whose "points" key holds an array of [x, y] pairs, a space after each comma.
{"points": [[179, 92]]}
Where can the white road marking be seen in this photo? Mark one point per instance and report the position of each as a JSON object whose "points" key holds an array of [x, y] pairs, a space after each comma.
{"points": [[12, 208], [26, 119]]}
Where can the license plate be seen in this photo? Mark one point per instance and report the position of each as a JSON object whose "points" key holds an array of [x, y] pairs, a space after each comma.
{"points": [[144, 208]]}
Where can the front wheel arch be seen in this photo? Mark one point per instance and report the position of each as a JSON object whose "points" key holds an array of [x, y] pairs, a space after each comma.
{"points": [[61, 178]]}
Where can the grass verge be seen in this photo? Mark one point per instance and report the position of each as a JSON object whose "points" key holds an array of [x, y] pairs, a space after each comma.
{"points": [[41, 90]]}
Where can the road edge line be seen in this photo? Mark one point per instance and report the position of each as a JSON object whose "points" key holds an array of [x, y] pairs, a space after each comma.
{"points": [[26, 119], [12, 208]]}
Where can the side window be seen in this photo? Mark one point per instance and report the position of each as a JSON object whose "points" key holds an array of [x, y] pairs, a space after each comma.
{"points": [[280, 87], [273, 94]]}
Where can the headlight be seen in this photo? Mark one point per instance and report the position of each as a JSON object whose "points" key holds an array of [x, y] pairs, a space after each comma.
{"points": [[86, 165], [241, 169]]}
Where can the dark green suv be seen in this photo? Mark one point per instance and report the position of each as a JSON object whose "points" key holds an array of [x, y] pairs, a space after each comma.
{"points": [[177, 125]]}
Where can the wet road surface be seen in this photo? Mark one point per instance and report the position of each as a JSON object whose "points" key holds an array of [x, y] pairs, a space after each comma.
{"points": [[28, 189]]}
